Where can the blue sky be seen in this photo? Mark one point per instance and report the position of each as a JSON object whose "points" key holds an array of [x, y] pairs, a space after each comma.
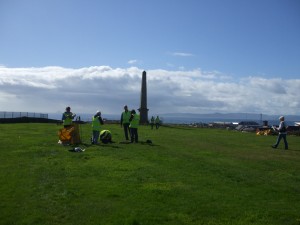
{"points": [[220, 45]]}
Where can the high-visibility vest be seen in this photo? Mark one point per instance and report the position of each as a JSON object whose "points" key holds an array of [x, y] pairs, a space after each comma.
{"points": [[105, 135], [135, 121], [157, 120], [68, 119], [126, 117], [96, 123], [152, 119]]}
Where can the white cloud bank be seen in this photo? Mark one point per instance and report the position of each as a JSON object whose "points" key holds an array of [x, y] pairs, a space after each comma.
{"points": [[51, 89]]}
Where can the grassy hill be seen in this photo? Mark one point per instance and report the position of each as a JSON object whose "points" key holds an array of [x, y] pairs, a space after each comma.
{"points": [[187, 176]]}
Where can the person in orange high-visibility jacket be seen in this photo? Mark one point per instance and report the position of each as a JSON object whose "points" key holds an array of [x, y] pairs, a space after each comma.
{"points": [[134, 124]]}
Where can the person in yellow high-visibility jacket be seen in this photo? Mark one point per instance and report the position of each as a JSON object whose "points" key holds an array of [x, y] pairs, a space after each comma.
{"points": [[134, 124], [68, 117], [125, 116], [105, 136], [96, 122], [152, 122], [157, 122]]}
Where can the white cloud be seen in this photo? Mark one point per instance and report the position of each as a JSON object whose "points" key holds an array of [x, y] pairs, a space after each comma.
{"points": [[182, 54], [132, 61], [51, 89]]}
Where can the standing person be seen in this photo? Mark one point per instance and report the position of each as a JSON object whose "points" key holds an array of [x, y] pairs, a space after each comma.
{"points": [[157, 122], [67, 117], [282, 133], [125, 116], [134, 124], [152, 122], [96, 121]]}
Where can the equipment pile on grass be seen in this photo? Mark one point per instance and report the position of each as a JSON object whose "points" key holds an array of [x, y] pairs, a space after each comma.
{"points": [[70, 135]]}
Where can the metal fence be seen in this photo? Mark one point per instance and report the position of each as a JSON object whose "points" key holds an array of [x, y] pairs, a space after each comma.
{"points": [[8, 115]]}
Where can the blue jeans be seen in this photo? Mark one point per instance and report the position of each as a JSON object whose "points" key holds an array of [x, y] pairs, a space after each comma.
{"points": [[126, 130], [95, 136], [280, 136]]}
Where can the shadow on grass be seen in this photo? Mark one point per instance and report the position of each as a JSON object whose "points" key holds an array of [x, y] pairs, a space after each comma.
{"points": [[176, 127], [140, 142], [111, 145], [85, 145], [290, 150], [148, 143]]}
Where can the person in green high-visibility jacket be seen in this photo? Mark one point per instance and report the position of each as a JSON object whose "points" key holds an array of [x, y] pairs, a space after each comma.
{"points": [[67, 117], [96, 122], [152, 122], [105, 136], [125, 116], [157, 122], [134, 124]]}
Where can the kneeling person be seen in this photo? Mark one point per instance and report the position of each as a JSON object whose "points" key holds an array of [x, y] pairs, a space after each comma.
{"points": [[105, 136]]}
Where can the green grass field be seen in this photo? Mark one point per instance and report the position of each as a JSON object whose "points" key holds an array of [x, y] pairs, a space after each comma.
{"points": [[187, 176]]}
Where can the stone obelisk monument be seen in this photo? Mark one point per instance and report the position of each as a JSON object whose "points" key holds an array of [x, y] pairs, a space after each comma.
{"points": [[143, 106]]}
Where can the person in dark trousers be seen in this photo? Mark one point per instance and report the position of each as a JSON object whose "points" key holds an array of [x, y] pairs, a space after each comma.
{"points": [[152, 121], [67, 117], [282, 133], [125, 116], [96, 122], [134, 124], [157, 122], [105, 136]]}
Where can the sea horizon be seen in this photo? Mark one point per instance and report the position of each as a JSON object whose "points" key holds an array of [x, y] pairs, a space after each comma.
{"points": [[173, 118], [196, 118]]}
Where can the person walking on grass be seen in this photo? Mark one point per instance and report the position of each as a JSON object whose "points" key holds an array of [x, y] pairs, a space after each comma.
{"points": [[125, 116], [134, 124], [152, 121], [157, 122], [96, 122], [282, 133]]}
